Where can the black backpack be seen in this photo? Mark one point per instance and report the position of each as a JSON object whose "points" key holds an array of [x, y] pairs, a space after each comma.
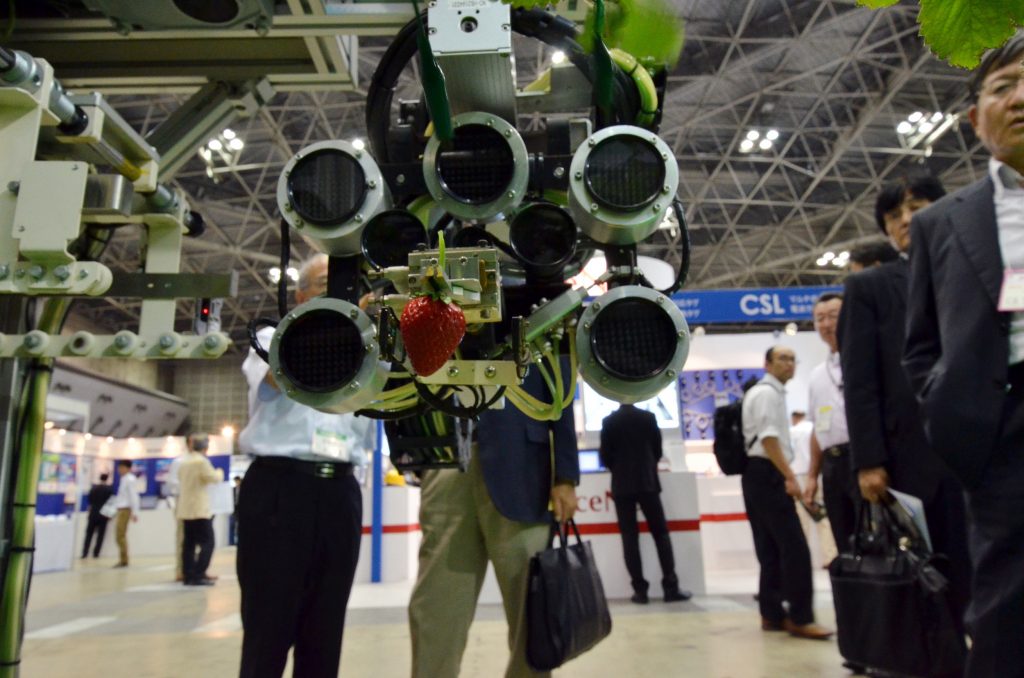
{"points": [[730, 447]]}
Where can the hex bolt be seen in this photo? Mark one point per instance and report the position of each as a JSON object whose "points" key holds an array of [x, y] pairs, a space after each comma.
{"points": [[354, 313], [508, 133], [490, 371], [122, 341], [578, 176], [453, 371], [210, 342], [62, 272], [359, 218], [372, 184], [36, 271], [166, 341], [32, 341], [354, 386]]}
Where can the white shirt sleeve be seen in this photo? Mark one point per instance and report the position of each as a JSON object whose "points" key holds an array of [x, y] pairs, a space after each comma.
{"points": [[762, 410]]}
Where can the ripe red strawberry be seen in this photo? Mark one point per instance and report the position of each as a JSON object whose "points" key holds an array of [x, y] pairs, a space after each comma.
{"points": [[431, 329]]}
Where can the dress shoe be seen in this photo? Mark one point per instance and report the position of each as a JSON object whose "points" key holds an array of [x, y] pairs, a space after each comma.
{"points": [[120, 565], [769, 625], [674, 596], [856, 669], [205, 581], [640, 599], [809, 631]]}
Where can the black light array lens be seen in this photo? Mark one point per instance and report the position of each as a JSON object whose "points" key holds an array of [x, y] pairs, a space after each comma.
{"points": [[321, 351], [624, 172], [633, 339], [327, 187], [476, 166]]}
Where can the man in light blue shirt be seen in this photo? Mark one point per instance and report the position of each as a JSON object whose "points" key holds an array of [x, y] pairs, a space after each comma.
{"points": [[299, 519]]}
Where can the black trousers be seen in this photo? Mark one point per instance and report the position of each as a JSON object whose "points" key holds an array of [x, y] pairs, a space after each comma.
{"points": [[298, 545], [842, 494], [654, 513], [779, 544], [198, 533], [946, 517], [995, 506], [97, 526]]}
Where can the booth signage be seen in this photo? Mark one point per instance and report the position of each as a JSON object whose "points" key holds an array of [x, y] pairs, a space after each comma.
{"points": [[771, 304]]}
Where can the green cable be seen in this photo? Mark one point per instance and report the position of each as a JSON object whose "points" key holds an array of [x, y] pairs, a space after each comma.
{"points": [[432, 79], [603, 74]]}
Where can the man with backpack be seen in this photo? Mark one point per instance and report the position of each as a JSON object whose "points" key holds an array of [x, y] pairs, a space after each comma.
{"points": [[769, 487]]}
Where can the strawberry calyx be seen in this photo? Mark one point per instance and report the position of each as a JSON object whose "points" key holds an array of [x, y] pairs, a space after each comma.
{"points": [[435, 285]]}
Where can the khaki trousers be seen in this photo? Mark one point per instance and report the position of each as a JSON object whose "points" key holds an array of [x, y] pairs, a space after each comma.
{"points": [[123, 516], [462, 530]]}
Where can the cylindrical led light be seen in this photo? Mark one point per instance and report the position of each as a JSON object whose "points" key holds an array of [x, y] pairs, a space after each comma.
{"points": [[482, 172], [623, 179], [329, 190], [543, 236], [324, 354], [632, 342]]}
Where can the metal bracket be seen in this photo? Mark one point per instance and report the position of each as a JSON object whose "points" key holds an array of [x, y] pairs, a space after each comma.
{"points": [[475, 373]]}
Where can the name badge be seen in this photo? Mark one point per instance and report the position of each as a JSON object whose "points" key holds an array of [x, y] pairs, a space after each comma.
{"points": [[1011, 295], [823, 419], [331, 444]]}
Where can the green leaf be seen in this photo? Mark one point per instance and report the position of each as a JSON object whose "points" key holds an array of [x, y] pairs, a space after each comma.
{"points": [[877, 4], [959, 31]]}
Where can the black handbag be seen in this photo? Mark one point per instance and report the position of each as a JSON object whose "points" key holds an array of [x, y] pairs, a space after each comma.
{"points": [[892, 604], [566, 611]]}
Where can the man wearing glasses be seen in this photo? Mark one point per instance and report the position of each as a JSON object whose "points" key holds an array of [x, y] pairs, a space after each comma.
{"points": [[964, 355]]}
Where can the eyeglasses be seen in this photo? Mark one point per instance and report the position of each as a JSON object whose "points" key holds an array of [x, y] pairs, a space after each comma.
{"points": [[1001, 88]]}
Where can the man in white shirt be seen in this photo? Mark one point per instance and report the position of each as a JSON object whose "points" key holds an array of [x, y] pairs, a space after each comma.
{"points": [[769, 487], [830, 440], [299, 519], [127, 508], [964, 355]]}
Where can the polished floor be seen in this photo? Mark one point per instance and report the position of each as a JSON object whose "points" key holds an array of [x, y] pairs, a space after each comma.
{"points": [[100, 622]]}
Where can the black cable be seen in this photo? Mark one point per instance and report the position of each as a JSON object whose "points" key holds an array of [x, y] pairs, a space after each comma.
{"points": [[442, 405], [282, 283], [254, 341], [684, 261]]}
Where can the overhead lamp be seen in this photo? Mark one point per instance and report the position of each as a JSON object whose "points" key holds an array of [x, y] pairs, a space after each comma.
{"points": [[236, 144], [632, 342], [765, 144], [746, 145], [558, 57], [325, 355], [772, 135], [358, 144], [329, 190], [215, 144], [791, 329], [228, 431], [623, 181], [924, 129], [229, 134], [483, 171], [48, 425], [754, 138], [274, 273]]}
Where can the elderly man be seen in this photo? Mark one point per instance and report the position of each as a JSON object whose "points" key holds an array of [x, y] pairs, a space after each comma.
{"points": [[195, 473], [964, 355]]}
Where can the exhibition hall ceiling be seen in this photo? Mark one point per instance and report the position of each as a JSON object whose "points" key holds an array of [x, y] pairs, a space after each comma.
{"points": [[833, 80]]}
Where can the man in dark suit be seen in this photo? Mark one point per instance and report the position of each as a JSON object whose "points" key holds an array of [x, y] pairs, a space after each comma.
{"points": [[98, 496], [887, 441], [630, 449], [965, 357], [497, 511]]}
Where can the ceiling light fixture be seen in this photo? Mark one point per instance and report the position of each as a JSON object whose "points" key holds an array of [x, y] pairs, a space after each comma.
{"points": [[924, 129], [756, 139], [221, 153]]}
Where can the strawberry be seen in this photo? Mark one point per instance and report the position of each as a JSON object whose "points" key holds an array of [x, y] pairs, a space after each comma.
{"points": [[432, 326], [431, 329]]}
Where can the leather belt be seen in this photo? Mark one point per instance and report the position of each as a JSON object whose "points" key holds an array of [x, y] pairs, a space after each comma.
{"points": [[837, 450], [317, 469]]}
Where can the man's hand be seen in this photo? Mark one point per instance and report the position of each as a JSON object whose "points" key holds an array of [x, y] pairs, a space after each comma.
{"points": [[135, 518], [873, 483], [793, 487], [811, 489], [563, 501]]}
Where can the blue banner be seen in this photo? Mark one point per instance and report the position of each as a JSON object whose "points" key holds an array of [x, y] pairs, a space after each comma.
{"points": [[770, 304]]}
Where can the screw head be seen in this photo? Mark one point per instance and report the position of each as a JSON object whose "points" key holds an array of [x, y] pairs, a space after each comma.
{"points": [[354, 313], [32, 341], [511, 194], [596, 305], [594, 207], [122, 341], [166, 341], [62, 272], [559, 172], [359, 218], [592, 143], [36, 271], [83, 274], [354, 386], [4, 271], [578, 176], [210, 342], [372, 184], [490, 371], [453, 371]]}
